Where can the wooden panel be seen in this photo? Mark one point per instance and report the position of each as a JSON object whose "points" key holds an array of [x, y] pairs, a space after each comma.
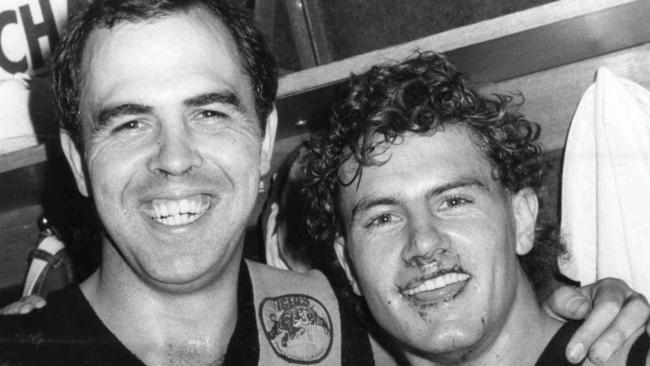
{"points": [[22, 158], [556, 44], [22, 187], [457, 38], [553, 95]]}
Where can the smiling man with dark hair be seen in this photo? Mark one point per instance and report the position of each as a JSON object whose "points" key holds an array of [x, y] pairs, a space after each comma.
{"points": [[168, 122]]}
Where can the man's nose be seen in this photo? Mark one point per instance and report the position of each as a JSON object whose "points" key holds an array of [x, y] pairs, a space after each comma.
{"points": [[425, 241], [176, 152]]}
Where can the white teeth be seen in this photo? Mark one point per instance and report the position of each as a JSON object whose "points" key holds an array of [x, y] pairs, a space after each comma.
{"points": [[437, 282], [178, 212], [174, 208]]}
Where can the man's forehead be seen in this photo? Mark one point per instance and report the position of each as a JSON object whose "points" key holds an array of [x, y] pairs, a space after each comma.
{"points": [[132, 56], [454, 141], [124, 30]]}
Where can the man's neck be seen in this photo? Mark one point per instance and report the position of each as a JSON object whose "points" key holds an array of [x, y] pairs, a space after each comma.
{"points": [[163, 328], [520, 341]]}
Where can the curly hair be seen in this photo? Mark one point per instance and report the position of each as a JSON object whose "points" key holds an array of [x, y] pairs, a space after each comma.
{"points": [[67, 77], [422, 94]]}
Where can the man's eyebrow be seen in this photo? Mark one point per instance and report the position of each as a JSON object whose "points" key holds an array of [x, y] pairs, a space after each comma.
{"points": [[463, 182], [228, 98], [110, 112]]}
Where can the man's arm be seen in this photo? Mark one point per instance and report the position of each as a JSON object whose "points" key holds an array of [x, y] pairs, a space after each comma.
{"points": [[612, 313]]}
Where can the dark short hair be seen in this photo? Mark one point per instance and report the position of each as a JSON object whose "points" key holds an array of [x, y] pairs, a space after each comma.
{"points": [[421, 94], [67, 79]]}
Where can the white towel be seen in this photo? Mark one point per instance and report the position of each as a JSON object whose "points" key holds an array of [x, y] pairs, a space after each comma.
{"points": [[606, 184]]}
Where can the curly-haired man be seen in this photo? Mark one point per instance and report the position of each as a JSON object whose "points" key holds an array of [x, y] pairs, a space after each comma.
{"points": [[427, 189]]}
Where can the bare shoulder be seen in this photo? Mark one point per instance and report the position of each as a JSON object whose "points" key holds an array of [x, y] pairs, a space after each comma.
{"points": [[274, 281]]}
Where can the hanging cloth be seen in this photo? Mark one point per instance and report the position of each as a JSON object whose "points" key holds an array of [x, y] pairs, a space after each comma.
{"points": [[606, 185]]}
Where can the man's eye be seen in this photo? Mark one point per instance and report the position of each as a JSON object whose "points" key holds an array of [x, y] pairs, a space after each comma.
{"points": [[452, 202], [212, 114], [381, 220], [130, 125]]}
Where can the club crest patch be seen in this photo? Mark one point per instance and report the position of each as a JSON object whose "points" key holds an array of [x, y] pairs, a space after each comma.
{"points": [[298, 327]]}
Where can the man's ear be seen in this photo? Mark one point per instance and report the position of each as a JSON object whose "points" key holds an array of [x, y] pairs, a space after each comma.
{"points": [[344, 260], [524, 208], [75, 160], [268, 142], [271, 239]]}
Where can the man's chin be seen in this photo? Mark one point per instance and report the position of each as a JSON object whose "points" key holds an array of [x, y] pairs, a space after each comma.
{"points": [[188, 274], [451, 346], [181, 282], [445, 333]]}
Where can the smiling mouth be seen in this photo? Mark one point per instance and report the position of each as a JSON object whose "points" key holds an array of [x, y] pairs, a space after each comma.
{"points": [[437, 283], [436, 289], [177, 212]]}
